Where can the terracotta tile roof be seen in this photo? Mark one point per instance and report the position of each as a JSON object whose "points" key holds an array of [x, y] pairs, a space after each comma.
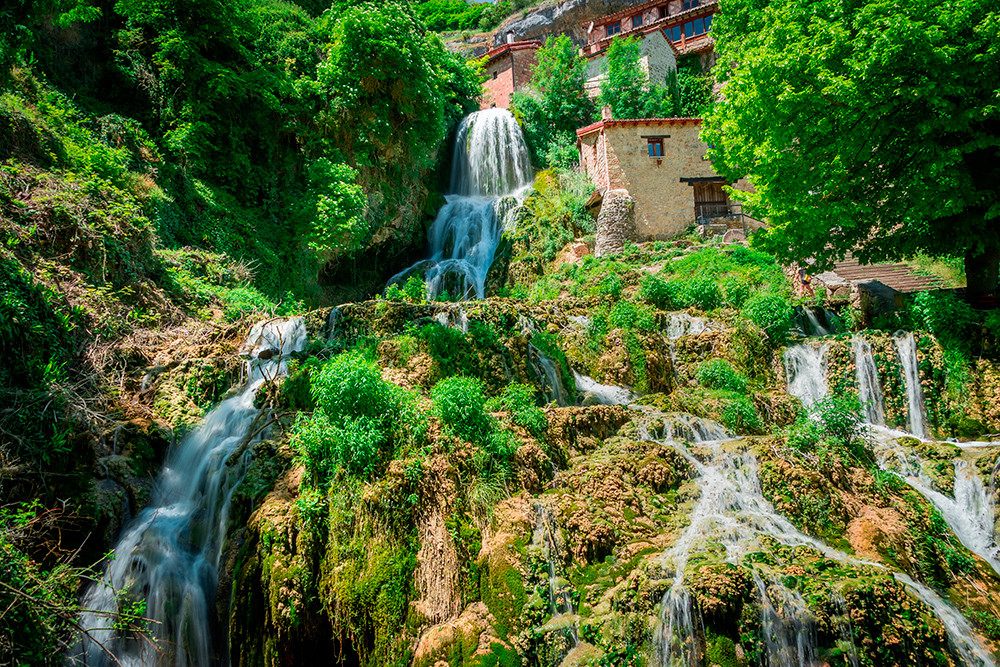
{"points": [[899, 277], [601, 124], [498, 51]]}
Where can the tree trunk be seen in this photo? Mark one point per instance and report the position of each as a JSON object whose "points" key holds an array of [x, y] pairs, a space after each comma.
{"points": [[982, 267]]}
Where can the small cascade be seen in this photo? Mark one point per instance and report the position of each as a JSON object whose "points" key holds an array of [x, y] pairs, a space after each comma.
{"points": [[683, 324], [731, 511], [548, 539], [169, 554], [546, 371], [869, 388], [814, 321], [845, 644], [906, 345], [458, 320], [491, 172], [805, 372], [605, 394], [961, 636], [789, 627], [970, 514]]}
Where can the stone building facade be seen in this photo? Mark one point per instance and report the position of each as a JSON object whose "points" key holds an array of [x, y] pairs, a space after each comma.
{"points": [[661, 163], [686, 23], [508, 68], [657, 58]]}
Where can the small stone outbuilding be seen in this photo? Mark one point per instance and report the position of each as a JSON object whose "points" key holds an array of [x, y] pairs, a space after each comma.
{"points": [[661, 163]]}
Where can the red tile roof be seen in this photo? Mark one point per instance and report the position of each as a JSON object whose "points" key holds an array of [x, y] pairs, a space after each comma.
{"points": [[600, 125], [498, 51]]}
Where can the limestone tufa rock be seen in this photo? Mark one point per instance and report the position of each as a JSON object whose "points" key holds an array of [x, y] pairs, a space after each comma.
{"points": [[615, 223]]}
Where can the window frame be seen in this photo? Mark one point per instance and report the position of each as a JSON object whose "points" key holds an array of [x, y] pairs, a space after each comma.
{"points": [[652, 146], [613, 29], [637, 21]]}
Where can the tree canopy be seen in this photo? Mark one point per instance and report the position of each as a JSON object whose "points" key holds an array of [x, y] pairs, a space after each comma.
{"points": [[866, 126], [556, 105]]}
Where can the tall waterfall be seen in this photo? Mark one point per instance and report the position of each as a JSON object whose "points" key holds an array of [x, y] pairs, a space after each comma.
{"points": [[907, 348], [169, 554], [548, 540], [869, 389], [490, 173]]}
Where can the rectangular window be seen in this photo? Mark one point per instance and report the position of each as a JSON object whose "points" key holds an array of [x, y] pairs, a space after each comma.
{"points": [[637, 21], [675, 33], [708, 23], [614, 28], [699, 27], [655, 147], [691, 4], [494, 75], [664, 11], [689, 30]]}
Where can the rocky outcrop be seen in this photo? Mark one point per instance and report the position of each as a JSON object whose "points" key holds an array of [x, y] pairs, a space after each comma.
{"points": [[567, 17]]}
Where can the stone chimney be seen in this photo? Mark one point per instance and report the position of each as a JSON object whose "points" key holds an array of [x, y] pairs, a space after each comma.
{"points": [[606, 112]]}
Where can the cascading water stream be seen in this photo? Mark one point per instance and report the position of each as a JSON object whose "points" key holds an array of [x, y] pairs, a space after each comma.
{"points": [[546, 371], [732, 511], [605, 394], [491, 172], [169, 554], [805, 372], [906, 345], [970, 513], [547, 538], [869, 388]]}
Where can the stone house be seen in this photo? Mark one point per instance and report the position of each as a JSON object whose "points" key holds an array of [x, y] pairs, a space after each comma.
{"points": [[508, 69], [661, 163], [685, 23], [657, 58]]}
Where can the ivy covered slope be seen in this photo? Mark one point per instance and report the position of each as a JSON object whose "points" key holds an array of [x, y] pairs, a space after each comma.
{"points": [[169, 173], [433, 503]]}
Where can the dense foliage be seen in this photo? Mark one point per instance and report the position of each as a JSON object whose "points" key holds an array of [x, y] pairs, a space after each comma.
{"points": [[870, 127]]}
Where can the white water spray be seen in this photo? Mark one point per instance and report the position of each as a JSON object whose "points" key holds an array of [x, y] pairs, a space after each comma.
{"points": [[805, 372], [548, 539], [869, 388], [906, 345], [169, 554], [605, 394], [491, 172]]}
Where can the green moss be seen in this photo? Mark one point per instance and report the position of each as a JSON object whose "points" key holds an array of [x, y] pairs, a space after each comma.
{"points": [[502, 590]]}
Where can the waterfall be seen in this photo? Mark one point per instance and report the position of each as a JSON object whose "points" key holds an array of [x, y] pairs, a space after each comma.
{"points": [[907, 348], [490, 173], [970, 514], [805, 373], [809, 324], [869, 389], [548, 539], [605, 394], [731, 511], [789, 627], [960, 632], [169, 554], [546, 371]]}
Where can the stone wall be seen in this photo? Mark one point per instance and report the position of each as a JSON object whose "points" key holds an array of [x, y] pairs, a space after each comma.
{"points": [[593, 159], [509, 72], [664, 206]]}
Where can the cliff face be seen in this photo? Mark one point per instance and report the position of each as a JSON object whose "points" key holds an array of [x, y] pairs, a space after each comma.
{"points": [[566, 17]]}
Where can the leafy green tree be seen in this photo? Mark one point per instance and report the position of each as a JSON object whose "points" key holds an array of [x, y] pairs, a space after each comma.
{"points": [[19, 21], [870, 126], [556, 105], [627, 88]]}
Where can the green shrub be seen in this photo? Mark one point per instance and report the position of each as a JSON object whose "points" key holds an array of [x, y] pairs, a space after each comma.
{"points": [[352, 385], [519, 400], [952, 321], [610, 285], [632, 317], [740, 415], [460, 402], [414, 290], [659, 292], [701, 292], [720, 374], [736, 291], [770, 312]]}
